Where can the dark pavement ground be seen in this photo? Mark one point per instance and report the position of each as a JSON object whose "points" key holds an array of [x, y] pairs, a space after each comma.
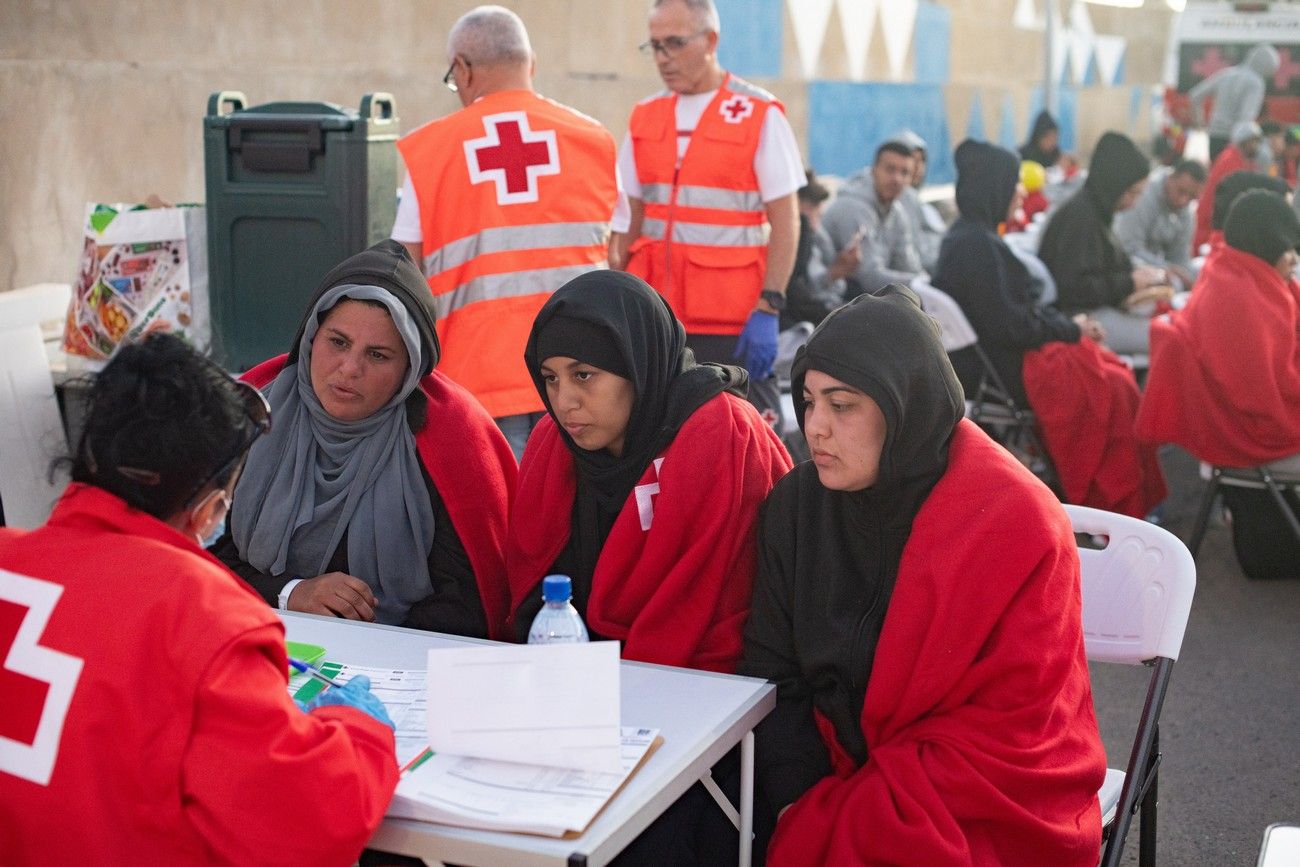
{"points": [[1230, 729]]}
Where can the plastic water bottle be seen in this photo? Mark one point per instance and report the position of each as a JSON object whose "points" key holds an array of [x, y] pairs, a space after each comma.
{"points": [[558, 622]]}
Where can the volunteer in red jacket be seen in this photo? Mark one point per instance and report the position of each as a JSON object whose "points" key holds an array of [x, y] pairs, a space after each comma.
{"points": [[918, 606], [146, 718], [643, 482], [383, 492]]}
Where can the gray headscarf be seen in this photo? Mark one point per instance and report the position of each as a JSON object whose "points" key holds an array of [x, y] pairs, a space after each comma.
{"points": [[315, 477]]}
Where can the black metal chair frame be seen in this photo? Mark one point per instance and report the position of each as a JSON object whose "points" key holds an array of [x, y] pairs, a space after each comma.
{"points": [[1141, 777], [1220, 476]]}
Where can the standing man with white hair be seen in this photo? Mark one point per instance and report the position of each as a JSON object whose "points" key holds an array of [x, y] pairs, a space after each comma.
{"points": [[505, 200], [711, 167]]}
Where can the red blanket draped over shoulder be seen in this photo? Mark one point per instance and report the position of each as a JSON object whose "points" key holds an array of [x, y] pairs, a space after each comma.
{"points": [[1225, 370], [474, 471], [674, 579], [1086, 401], [983, 744]]}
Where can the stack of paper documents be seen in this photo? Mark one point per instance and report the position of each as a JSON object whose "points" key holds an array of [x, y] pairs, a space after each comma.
{"points": [[524, 738], [509, 796]]}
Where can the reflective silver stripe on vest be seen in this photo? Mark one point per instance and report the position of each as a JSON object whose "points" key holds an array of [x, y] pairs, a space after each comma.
{"points": [[708, 234], [723, 200], [657, 194], [703, 197], [739, 85], [510, 285], [501, 239]]}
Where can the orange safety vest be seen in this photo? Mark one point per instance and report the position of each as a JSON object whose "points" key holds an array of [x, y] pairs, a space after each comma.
{"points": [[516, 194], [703, 241]]}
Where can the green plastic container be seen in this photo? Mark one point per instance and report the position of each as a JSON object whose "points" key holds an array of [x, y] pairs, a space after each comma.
{"points": [[293, 188]]}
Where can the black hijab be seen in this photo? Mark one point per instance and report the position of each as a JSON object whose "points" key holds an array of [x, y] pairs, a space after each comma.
{"points": [[986, 182], [1116, 165], [669, 386], [1262, 224], [1235, 185], [853, 541], [1033, 148], [888, 348]]}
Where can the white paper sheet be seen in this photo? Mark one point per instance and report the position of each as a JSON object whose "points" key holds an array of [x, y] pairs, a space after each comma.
{"points": [[551, 704], [403, 693], [507, 796]]}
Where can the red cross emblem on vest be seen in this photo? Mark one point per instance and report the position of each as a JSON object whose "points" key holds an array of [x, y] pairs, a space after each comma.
{"points": [[512, 156], [736, 109]]}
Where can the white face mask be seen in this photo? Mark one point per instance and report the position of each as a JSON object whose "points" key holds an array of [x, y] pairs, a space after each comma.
{"points": [[218, 526]]}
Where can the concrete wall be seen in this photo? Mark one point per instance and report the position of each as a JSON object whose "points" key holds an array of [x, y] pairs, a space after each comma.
{"points": [[102, 101]]}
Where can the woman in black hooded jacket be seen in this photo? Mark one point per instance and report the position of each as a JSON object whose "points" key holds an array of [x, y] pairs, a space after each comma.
{"points": [[1092, 272], [986, 278]]}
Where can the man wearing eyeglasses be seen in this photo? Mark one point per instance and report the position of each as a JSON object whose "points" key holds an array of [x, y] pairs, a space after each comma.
{"points": [[505, 200], [711, 167]]}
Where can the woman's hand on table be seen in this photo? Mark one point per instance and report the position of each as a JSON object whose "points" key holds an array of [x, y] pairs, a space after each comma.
{"points": [[334, 593]]}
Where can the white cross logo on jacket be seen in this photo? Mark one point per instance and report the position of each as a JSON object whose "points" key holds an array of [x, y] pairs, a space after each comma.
{"points": [[645, 506]]}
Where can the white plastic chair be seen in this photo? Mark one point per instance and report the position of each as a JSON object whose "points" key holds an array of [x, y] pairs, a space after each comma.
{"points": [[1137, 595]]}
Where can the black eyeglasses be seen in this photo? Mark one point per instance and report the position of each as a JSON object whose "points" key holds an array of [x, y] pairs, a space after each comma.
{"points": [[670, 45], [449, 79]]}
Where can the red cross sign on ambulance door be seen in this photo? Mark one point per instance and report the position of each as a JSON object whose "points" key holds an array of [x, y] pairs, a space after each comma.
{"points": [[512, 156], [37, 683]]}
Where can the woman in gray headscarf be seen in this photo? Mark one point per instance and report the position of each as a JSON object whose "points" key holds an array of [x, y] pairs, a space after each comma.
{"points": [[383, 491]]}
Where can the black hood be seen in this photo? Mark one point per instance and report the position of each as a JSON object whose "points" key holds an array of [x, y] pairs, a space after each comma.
{"points": [[1032, 149], [1235, 185], [1116, 165], [388, 266], [1262, 224], [986, 182], [888, 348]]}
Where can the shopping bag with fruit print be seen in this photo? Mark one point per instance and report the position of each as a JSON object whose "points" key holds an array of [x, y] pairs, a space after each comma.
{"points": [[142, 269]]}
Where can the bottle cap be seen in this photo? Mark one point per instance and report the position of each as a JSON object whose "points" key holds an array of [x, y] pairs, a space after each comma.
{"points": [[557, 588]]}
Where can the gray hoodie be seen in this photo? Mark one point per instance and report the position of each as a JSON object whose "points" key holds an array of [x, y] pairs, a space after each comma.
{"points": [[889, 251], [1238, 91]]}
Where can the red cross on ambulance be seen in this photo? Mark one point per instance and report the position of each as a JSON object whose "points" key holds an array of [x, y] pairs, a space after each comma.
{"points": [[512, 156], [736, 109]]}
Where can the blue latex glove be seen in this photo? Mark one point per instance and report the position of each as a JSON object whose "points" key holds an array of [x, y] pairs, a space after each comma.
{"points": [[355, 693], [756, 346]]}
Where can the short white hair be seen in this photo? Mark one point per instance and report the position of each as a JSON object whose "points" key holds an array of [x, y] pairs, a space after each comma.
{"points": [[703, 11], [489, 35]]}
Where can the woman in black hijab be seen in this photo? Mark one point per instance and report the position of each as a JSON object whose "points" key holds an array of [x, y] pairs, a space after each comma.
{"points": [[1093, 274], [643, 482], [382, 492], [988, 280], [894, 570]]}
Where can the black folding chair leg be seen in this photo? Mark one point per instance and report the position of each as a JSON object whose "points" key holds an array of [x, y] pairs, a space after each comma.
{"points": [[1203, 513], [1148, 821]]}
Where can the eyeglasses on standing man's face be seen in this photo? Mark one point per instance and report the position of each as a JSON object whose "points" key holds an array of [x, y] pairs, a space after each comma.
{"points": [[669, 45], [450, 78]]}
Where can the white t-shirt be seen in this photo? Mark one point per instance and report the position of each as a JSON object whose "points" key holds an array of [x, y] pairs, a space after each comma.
{"points": [[777, 162], [407, 229]]}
